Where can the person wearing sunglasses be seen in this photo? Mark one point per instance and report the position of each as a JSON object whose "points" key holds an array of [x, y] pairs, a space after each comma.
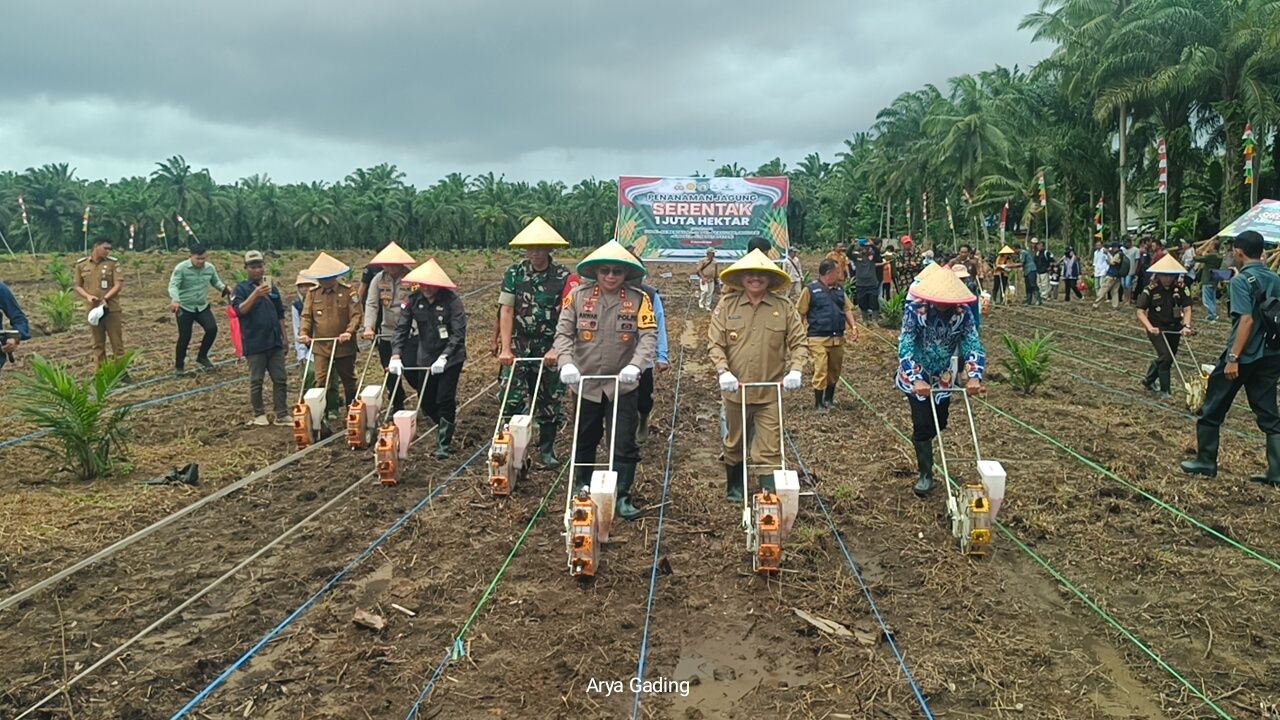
{"points": [[607, 326]]}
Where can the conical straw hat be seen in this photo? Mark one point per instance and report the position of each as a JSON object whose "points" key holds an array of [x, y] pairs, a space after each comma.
{"points": [[614, 254], [393, 254], [303, 280], [754, 261], [326, 266], [1006, 250], [1167, 266], [431, 274], [936, 285], [538, 233]]}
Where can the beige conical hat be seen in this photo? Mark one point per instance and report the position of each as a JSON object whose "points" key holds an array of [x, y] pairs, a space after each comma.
{"points": [[960, 270], [1006, 250], [538, 233], [1167, 266], [611, 253], [754, 261], [393, 254], [937, 285], [303, 280], [429, 273], [326, 266]]}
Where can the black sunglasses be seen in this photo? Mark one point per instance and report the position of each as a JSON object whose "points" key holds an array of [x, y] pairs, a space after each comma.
{"points": [[610, 270]]}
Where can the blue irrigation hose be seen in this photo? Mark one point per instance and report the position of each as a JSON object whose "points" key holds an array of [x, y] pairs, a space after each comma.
{"points": [[323, 589], [175, 396], [662, 514], [866, 592]]}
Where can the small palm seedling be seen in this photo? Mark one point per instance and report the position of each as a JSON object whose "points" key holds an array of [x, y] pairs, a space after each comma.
{"points": [[275, 268], [61, 309], [891, 310], [1029, 360], [159, 266], [60, 273], [82, 426]]}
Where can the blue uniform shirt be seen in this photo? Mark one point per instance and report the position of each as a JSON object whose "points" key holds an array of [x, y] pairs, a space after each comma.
{"points": [[17, 319]]}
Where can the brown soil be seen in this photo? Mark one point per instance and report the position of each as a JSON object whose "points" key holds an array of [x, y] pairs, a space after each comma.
{"points": [[997, 637]]}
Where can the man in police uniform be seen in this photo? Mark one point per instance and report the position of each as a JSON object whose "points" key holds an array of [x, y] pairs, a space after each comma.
{"points": [[383, 298], [99, 279], [1247, 361], [529, 308], [332, 310], [755, 336], [825, 311], [436, 311], [1164, 309], [608, 327]]}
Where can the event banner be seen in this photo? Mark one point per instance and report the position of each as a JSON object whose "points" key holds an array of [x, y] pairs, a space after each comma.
{"points": [[677, 219], [1263, 218]]}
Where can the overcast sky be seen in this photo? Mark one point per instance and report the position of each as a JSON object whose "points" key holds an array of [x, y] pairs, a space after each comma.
{"points": [[535, 89]]}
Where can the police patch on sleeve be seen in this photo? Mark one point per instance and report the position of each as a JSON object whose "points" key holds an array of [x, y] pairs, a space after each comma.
{"points": [[645, 319]]}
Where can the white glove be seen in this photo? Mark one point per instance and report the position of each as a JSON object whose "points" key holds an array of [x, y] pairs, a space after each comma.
{"points": [[728, 382], [629, 375], [95, 315], [791, 381], [437, 367], [395, 367], [569, 374]]}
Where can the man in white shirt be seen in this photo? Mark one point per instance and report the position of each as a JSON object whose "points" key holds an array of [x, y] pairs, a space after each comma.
{"points": [[1099, 268], [1188, 260], [1132, 282], [792, 266]]}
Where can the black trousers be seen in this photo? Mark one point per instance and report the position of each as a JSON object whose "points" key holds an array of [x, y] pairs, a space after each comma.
{"points": [[186, 319], [1033, 288], [591, 427], [1072, 285], [886, 291], [868, 300], [1165, 353], [1258, 379], [922, 427], [412, 378], [440, 396], [644, 399]]}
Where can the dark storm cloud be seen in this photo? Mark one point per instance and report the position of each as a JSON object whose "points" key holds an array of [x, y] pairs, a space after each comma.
{"points": [[486, 82]]}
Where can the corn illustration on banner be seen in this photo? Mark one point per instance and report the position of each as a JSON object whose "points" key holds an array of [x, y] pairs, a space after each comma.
{"points": [[677, 219]]}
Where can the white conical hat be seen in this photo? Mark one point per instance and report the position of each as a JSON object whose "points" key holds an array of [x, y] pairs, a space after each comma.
{"points": [[326, 266], [393, 254], [937, 285], [758, 262], [538, 233], [429, 273], [1167, 266]]}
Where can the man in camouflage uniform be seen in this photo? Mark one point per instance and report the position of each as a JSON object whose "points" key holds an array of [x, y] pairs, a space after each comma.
{"points": [[529, 309]]}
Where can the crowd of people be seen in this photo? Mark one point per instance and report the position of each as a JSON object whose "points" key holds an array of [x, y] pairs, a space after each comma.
{"points": [[600, 329]]}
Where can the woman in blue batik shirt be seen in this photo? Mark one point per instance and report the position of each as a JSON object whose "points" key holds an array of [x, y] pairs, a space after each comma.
{"points": [[937, 325]]}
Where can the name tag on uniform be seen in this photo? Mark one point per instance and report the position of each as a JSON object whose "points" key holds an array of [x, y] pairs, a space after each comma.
{"points": [[444, 332], [105, 285]]}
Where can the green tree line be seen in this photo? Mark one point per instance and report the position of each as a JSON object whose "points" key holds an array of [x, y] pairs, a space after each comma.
{"points": [[1122, 75]]}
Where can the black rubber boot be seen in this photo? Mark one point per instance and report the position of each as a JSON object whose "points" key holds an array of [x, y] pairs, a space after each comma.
{"points": [[642, 429], [547, 444], [733, 483], [766, 483], [444, 438], [626, 478], [924, 460], [583, 479], [829, 399], [1153, 375], [819, 406], [1206, 462], [1163, 374], [1272, 476]]}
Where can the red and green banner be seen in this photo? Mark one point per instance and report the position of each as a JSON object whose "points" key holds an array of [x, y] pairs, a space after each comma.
{"points": [[679, 218]]}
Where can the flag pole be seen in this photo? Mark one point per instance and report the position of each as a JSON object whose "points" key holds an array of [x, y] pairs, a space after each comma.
{"points": [[25, 223], [6, 245], [85, 228]]}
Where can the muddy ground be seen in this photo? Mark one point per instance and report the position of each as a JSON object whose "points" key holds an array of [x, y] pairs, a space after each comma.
{"points": [[995, 637]]}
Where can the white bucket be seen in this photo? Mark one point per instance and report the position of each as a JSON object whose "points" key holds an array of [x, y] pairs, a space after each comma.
{"points": [[787, 484], [372, 397], [604, 491], [315, 400], [407, 422], [993, 477]]}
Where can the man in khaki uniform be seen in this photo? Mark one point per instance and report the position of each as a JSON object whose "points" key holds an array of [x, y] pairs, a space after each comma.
{"points": [[332, 310], [839, 258], [755, 336], [607, 327], [384, 297], [99, 279], [826, 310], [707, 280]]}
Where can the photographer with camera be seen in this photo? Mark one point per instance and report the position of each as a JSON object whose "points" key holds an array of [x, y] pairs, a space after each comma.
{"points": [[9, 339]]}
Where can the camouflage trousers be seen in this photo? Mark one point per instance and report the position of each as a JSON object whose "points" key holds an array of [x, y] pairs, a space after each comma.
{"points": [[550, 391]]}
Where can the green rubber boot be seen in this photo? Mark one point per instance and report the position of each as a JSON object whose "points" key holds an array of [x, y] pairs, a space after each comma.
{"points": [[642, 429], [1206, 462], [924, 460], [444, 438], [733, 483], [1272, 475], [829, 399], [547, 444], [819, 406]]}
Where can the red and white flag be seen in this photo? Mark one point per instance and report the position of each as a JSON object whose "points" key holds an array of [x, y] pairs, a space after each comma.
{"points": [[1004, 215], [23, 205], [1164, 167]]}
